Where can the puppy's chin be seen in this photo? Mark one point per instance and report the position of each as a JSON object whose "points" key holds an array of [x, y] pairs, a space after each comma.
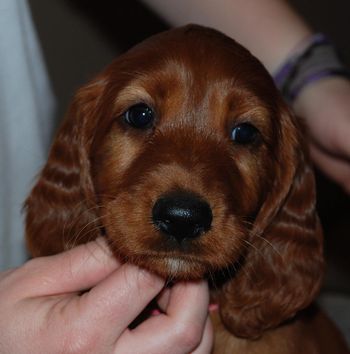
{"points": [[172, 267]]}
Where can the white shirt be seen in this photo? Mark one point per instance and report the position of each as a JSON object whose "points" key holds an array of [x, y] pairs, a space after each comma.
{"points": [[26, 122]]}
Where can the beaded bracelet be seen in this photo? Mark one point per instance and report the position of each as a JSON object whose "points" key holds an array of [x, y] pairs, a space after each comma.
{"points": [[314, 59]]}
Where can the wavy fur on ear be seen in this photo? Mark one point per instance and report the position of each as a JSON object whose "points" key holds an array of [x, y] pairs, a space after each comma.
{"points": [[62, 201], [283, 270]]}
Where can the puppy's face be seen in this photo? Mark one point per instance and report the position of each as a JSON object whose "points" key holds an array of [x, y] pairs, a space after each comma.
{"points": [[185, 154]]}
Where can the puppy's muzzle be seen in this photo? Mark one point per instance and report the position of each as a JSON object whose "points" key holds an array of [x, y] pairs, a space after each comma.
{"points": [[182, 215]]}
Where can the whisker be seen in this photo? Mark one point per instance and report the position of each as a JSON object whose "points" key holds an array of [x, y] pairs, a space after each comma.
{"points": [[270, 244], [80, 233], [68, 226], [249, 244]]}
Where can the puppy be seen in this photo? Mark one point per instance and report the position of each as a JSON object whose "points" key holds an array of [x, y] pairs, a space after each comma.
{"points": [[183, 154]]}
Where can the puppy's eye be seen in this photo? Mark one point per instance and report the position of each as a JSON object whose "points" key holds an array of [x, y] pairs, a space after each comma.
{"points": [[244, 133], [139, 116]]}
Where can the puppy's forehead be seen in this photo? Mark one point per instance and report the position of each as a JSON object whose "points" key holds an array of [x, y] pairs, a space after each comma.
{"points": [[197, 48], [194, 57]]}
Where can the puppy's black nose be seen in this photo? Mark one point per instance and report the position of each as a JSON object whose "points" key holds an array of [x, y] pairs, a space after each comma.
{"points": [[182, 215]]}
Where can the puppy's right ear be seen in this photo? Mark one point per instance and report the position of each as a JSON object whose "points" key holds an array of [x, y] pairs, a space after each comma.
{"points": [[60, 208], [283, 270]]}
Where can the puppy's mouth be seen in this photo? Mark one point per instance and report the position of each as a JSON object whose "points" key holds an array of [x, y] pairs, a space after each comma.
{"points": [[181, 219]]}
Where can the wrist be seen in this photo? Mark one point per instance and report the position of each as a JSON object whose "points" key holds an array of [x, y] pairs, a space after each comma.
{"points": [[318, 94], [313, 60]]}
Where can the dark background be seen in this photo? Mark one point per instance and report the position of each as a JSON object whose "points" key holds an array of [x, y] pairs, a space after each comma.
{"points": [[80, 37]]}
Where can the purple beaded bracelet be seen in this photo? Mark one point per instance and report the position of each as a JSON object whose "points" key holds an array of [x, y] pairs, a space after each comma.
{"points": [[315, 58]]}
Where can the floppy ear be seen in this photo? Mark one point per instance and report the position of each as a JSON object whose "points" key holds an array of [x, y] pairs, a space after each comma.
{"points": [[60, 208], [283, 269]]}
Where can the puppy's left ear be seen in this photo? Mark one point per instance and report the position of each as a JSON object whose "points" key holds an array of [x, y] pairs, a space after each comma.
{"points": [[283, 269], [60, 208]]}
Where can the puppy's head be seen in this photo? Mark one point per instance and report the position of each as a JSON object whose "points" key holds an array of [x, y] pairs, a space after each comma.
{"points": [[184, 156]]}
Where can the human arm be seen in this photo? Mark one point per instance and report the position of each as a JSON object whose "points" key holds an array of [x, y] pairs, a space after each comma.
{"points": [[268, 28]]}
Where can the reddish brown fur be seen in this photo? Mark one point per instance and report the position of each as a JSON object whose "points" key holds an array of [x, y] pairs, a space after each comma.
{"points": [[103, 176]]}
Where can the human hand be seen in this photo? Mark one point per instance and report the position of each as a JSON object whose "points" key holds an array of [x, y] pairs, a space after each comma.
{"points": [[43, 308], [325, 105]]}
